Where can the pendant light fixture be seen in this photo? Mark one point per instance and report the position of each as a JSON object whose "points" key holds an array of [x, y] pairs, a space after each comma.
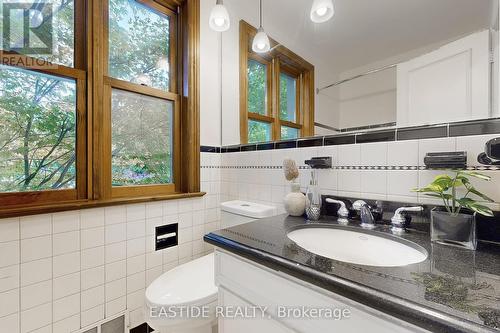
{"points": [[219, 17], [261, 42], [322, 11]]}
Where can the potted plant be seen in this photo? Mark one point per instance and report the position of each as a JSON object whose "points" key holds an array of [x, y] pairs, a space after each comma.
{"points": [[455, 223]]}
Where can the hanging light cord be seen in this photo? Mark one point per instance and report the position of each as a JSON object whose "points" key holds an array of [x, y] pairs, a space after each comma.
{"points": [[260, 13]]}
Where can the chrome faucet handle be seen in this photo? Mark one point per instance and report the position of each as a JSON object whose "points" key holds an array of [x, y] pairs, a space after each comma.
{"points": [[343, 212], [365, 212], [398, 221], [358, 204]]}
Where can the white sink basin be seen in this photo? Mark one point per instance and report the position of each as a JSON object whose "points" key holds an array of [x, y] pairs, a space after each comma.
{"points": [[358, 247]]}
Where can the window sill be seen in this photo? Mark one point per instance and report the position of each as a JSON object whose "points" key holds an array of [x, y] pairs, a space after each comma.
{"points": [[85, 204]]}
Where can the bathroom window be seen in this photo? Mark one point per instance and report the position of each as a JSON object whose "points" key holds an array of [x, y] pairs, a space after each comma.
{"points": [[106, 111], [276, 92], [258, 87], [141, 89], [42, 105], [139, 43]]}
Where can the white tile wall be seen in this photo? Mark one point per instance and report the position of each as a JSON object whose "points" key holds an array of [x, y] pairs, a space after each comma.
{"points": [[266, 183], [60, 272], [63, 271]]}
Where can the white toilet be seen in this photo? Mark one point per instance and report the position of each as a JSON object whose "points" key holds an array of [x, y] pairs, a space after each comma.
{"points": [[183, 300]]}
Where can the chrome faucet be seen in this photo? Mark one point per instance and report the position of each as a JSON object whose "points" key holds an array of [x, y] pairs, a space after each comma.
{"points": [[342, 213], [399, 222], [367, 219]]}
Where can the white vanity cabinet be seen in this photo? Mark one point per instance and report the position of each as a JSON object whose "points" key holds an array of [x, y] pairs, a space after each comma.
{"points": [[245, 284], [449, 84]]}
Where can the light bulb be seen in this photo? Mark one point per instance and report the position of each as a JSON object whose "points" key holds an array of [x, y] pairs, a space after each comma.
{"points": [[261, 42], [322, 11], [219, 18], [219, 21]]}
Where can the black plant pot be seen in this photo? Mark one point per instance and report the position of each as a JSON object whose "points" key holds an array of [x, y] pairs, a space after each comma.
{"points": [[454, 229]]}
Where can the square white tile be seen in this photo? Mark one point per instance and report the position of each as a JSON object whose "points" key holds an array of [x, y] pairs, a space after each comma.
{"points": [[66, 221], [401, 183], [66, 307], [92, 277], [91, 218], [116, 270], [92, 316], [10, 278], [36, 294], [9, 229], [36, 248], [92, 237], [66, 285], [66, 242], [36, 271], [402, 153], [9, 253], [37, 317], [35, 226], [374, 154], [92, 297], [66, 264], [92, 257]]}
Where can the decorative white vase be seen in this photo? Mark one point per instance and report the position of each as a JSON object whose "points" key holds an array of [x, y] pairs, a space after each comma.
{"points": [[295, 201]]}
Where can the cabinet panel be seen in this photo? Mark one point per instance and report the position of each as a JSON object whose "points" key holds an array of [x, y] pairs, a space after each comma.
{"points": [[261, 286], [446, 85], [246, 325]]}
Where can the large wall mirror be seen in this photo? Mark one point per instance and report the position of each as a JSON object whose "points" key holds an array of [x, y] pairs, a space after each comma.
{"points": [[422, 62]]}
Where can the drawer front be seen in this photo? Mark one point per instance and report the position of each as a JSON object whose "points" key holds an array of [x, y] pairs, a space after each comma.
{"points": [[285, 298]]}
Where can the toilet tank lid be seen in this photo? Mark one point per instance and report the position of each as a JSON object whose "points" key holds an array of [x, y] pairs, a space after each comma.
{"points": [[248, 209]]}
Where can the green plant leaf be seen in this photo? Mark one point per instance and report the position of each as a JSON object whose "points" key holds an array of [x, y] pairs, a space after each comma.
{"points": [[443, 182], [481, 195], [476, 175], [480, 209], [429, 188]]}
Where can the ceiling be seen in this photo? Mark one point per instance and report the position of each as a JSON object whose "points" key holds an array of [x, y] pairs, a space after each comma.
{"points": [[365, 31]]}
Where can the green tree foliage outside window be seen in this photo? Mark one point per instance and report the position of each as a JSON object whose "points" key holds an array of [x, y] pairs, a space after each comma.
{"points": [[142, 139], [288, 133], [288, 91], [139, 49], [257, 87], [37, 131], [258, 131], [38, 116], [139, 44]]}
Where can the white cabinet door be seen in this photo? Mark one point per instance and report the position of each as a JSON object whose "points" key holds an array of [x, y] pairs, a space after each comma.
{"points": [[246, 284], [245, 325], [446, 85]]}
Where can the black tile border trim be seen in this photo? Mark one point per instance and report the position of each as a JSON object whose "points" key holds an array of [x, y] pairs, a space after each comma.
{"points": [[378, 136], [210, 149], [417, 133], [474, 127]]}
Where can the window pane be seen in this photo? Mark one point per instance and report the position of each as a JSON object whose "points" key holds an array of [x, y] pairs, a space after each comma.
{"points": [[139, 44], [37, 131], [289, 133], [141, 139], [258, 131], [288, 91], [51, 26], [257, 87]]}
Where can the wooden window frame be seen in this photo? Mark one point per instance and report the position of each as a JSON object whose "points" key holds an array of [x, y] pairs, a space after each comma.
{"points": [[94, 109], [279, 59], [111, 83]]}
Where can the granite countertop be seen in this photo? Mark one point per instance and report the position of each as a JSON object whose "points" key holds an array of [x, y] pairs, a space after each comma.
{"points": [[453, 290]]}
